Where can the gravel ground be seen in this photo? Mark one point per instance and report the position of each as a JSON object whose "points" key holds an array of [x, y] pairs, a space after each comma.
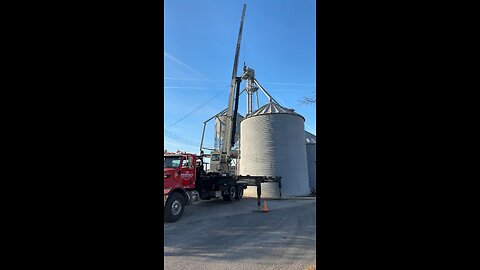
{"points": [[223, 235]]}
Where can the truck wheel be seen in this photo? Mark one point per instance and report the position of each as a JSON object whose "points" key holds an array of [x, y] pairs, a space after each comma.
{"points": [[239, 194], [232, 194], [174, 207]]}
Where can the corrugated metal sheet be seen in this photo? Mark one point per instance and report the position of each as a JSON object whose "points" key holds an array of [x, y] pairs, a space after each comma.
{"points": [[310, 138], [220, 127], [312, 165], [311, 141], [272, 143]]}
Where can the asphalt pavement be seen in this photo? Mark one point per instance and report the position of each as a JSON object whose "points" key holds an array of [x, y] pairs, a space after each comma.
{"points": [[229, 235]]}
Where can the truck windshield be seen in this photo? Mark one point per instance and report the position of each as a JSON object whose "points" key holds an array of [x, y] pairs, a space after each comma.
{"points": [[171, 162]]}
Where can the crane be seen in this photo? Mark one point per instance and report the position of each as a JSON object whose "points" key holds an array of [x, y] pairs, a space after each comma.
{"points": [[221, 160], [234, 93]]}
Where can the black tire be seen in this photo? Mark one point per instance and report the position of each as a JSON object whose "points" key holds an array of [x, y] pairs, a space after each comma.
{"points": [[226, 197], [174, 207], [239, 194], [232, 194]]}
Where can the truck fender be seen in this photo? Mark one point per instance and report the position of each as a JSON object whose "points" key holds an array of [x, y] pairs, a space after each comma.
{"points": [[181, 191], [193, 196], [242, 185]]}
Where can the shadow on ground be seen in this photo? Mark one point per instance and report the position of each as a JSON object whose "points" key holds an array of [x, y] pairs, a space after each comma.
{"points": [[287, 233]]}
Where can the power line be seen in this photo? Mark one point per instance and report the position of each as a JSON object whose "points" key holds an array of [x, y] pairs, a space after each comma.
{"points": [[179, 139], [196, 109], [182, 140]]}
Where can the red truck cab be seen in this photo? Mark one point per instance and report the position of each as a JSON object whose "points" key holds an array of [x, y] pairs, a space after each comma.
{"points": [[179, 171], [179, 179]]}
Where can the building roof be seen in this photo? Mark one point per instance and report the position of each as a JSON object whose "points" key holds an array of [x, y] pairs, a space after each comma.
{"points": [[310, 138]]}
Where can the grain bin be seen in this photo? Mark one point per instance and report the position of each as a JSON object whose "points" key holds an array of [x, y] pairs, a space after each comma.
{"points": [[311, 144], [220, 129], [272, 143]]}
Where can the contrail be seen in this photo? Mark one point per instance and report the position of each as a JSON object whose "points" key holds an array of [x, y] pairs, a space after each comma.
{"points": [[193, 70], [183, 87], [186, 79], [293, 84], [273, 90], [183, 64]]}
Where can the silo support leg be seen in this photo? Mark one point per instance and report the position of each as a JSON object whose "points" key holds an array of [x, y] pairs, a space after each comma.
{"points": [[280, 186], [259, 193]]}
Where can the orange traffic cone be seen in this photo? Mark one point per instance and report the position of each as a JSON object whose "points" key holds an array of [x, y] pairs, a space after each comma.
{"points": [[265, 209]]}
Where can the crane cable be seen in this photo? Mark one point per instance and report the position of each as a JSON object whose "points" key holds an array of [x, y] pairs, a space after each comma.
{"points": [[244, 43], [244, 50]]}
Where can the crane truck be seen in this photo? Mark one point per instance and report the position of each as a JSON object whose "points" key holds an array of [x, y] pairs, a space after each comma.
{"points": [[186, 181]]}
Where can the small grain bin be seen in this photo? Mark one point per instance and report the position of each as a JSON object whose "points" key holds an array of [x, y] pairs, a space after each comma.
{"points": [[220, 129], [311, 144], [272, 143]]}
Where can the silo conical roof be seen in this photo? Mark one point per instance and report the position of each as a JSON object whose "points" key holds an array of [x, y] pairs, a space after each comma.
{"points": [[273, 108], [225, 114]]}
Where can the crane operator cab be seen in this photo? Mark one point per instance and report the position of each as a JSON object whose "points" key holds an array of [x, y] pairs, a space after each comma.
{"points": [[215, 160]]}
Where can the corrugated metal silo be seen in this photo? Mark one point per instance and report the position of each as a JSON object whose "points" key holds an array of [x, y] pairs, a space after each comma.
{"points": [[272, 143], [311, 144], [220, 128]]}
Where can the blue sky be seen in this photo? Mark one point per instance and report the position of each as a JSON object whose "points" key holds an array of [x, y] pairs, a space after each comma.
{"points": [[278, 42]]}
